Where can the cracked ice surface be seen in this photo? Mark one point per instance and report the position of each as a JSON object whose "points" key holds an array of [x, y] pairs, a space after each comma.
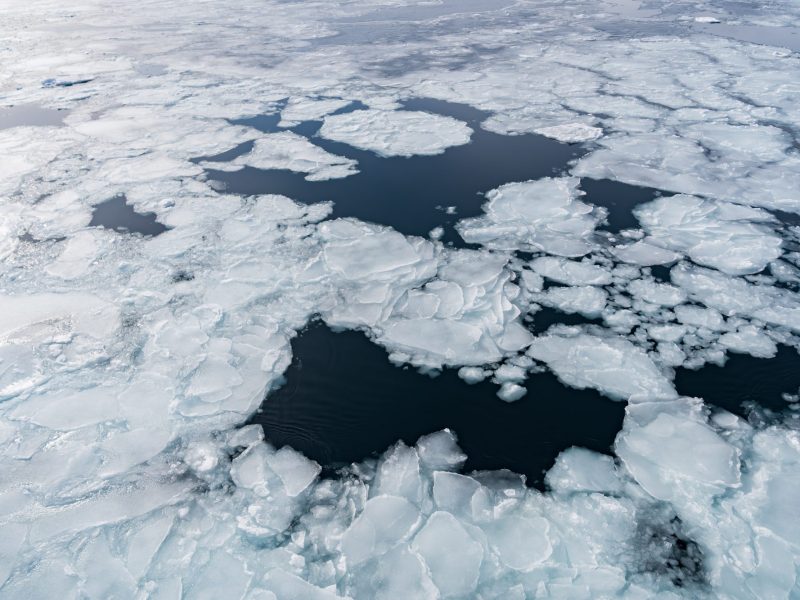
{"points": [[126, 363]]}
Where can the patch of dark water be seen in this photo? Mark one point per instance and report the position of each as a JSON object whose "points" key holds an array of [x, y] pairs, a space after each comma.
{"points": [[547, 316], [343, 401], [619, 199], [744, 382], [115, 213]]}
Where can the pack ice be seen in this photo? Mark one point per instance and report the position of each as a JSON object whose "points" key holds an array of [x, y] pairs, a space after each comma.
{"points": [[129, 363]]}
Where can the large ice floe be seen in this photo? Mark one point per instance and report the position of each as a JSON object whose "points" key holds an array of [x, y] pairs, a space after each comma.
{"points": [[129, 362], [396, 132]]}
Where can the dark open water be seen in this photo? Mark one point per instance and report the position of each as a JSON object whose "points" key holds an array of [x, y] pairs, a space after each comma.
{"points": [[344, 401]]}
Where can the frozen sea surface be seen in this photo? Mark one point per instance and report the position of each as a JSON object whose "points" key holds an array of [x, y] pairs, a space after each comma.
{"points": [[555, 236]]}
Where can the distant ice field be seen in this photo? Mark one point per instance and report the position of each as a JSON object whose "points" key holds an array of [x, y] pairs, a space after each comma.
{"points": [[381, 300]]}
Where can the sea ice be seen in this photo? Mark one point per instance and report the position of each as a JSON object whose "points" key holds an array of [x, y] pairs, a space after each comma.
{"points": [[287, 150], [611, 365], [128, 363], [543, 215], [396, 132]]}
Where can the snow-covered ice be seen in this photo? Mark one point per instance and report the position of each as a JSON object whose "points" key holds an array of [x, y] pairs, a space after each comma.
{"points": [[396, 132], [287, 150], [537, 215], [127, 364]]}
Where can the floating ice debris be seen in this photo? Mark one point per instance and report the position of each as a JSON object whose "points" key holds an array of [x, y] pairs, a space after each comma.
{"points": [[396, 132], [706, 19], [571, 272], [587, 300], [299, 109]]}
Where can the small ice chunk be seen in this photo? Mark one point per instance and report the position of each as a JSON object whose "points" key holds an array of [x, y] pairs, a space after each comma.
{"points": [[287, 150], [662, 294], [521, 543], [511, 392], [295, 470], [202, 457], [571, 133], [398, 474], [541, 215], [440, 452], [570, 272], [451, 554], [666, 332], [699, 316], [645, 254], [454, 492], [385, 522], [749, 340], [473, 375], [303, 108], [581, 470], [586, 300]]}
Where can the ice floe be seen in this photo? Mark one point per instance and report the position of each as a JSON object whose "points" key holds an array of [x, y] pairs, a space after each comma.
{"points": [[287, 150], [535, 215], [396, 132]]}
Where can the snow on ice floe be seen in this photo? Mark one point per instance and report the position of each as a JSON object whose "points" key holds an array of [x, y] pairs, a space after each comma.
{"points": [[299, 109], [287, 150], [571, 133], [396, 132], [125, 364], [611, 365], [545, 214], [428, 306], [725, 236]]}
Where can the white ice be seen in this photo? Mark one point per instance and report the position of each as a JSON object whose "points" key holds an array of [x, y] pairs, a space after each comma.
{"points": [[396, 132], [127, 364], [287, 150], [725, 236], [542, 215]]}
